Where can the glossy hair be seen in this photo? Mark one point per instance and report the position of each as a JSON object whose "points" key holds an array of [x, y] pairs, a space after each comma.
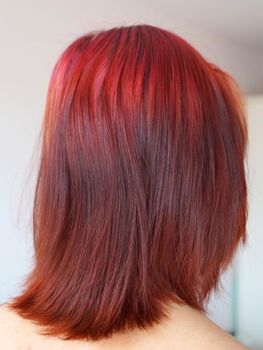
{"points": [[141, 196]]}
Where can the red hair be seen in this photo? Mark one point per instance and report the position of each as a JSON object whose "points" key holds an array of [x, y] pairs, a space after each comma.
{"points": [[141, 196]]}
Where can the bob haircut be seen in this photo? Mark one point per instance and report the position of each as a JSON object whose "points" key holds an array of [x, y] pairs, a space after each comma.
{"points": [[141, 194]]}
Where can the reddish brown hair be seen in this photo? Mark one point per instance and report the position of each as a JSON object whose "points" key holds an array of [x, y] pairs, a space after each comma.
{"points": [[141, 196]]}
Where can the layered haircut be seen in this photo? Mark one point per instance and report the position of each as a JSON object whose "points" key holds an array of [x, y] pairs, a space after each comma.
{"points": [[141, 196]]}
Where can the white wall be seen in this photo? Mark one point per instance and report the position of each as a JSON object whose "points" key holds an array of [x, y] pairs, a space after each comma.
{"points": [[250, 287]]}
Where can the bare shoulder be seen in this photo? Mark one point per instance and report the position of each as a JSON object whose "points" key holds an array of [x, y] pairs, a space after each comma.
{"points": [[9, 328], [227, 342], [192, 329], [219, 339], [15, 331], [195, 332]]}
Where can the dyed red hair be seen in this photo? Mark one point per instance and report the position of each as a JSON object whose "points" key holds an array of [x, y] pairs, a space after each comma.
{"points": [[141, 196]]}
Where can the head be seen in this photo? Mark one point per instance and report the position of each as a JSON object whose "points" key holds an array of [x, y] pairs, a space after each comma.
{"points": [[141, 196]]}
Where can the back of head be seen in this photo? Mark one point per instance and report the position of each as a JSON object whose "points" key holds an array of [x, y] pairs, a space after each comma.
{"points": [[141, 196]]}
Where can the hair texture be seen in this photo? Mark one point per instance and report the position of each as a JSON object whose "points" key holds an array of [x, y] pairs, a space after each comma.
{"points": [[141, 194]]}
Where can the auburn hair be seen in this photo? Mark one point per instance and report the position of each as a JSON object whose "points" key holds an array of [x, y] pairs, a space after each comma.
{"points": [[141, 195]]}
